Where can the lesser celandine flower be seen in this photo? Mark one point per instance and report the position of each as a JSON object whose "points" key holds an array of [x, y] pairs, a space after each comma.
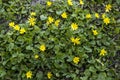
{"points": [[29, 74], [76, 60], [49, 3], [74, 26], [97, 15], [108, 7], [32, 21], [49, 75], [42, 47], [57, 22], [50, 20], [22, 31], [36, 56], [88, 16], [95, 32], [106, 20], [75, 40], [17, 27], [70, 2], [64, 15], [81, 2], [103, 52], [32, 14], [11, 24]]}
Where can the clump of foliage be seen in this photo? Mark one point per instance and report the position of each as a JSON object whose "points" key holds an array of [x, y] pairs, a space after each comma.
{"points": [[61, 40]]}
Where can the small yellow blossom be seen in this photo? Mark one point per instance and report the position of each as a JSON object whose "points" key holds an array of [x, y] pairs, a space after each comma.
{"points": [[49, 75], [97, 15], [76, 60], [70, 2], [88, 16], [42, 48], [108, 8], [36, 56], [32, 14], [32, 21], [50, 20], [81, 2], [57, 22], [29, 74], [103, 15], [22, 31], [103, 52], [74, 26], [49, 3], [95, 32], [64, 15], [75, 40], [106, 20], [17, 27], [11, 24]]}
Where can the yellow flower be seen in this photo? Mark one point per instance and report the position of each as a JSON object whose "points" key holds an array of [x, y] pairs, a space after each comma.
{"points": [[32, 14], [57, 22], [50, 20], [36, 56], [97, 15], [103, 15], [42, 48], [88, 16], [17, 27], [108, 8], [81, 2], [64, 15], [11, 24], [76, 60], [49, 3], [32, 21], [70, 2], [95, 32], [29, 74], [106, 20], [49, 75], [22, 31], [74, 26], [75, 40], [103, 52]]}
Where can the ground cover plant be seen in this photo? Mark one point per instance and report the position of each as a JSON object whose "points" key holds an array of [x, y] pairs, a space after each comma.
{"points": [[60, 40]]}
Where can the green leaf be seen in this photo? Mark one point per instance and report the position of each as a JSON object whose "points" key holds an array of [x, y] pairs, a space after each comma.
{"points": [[43, 17], [85, 56], [87, 72], [118, 1], [57, 74], [92, 69], [2, 72], [29, 48], [0, 1], [93, 43], [84, 78], [88, 49], [59, 12], [117, 30], [92, 61], [39, 75], [10, 46], [70, 58], [74, 15], [102, 76]]}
